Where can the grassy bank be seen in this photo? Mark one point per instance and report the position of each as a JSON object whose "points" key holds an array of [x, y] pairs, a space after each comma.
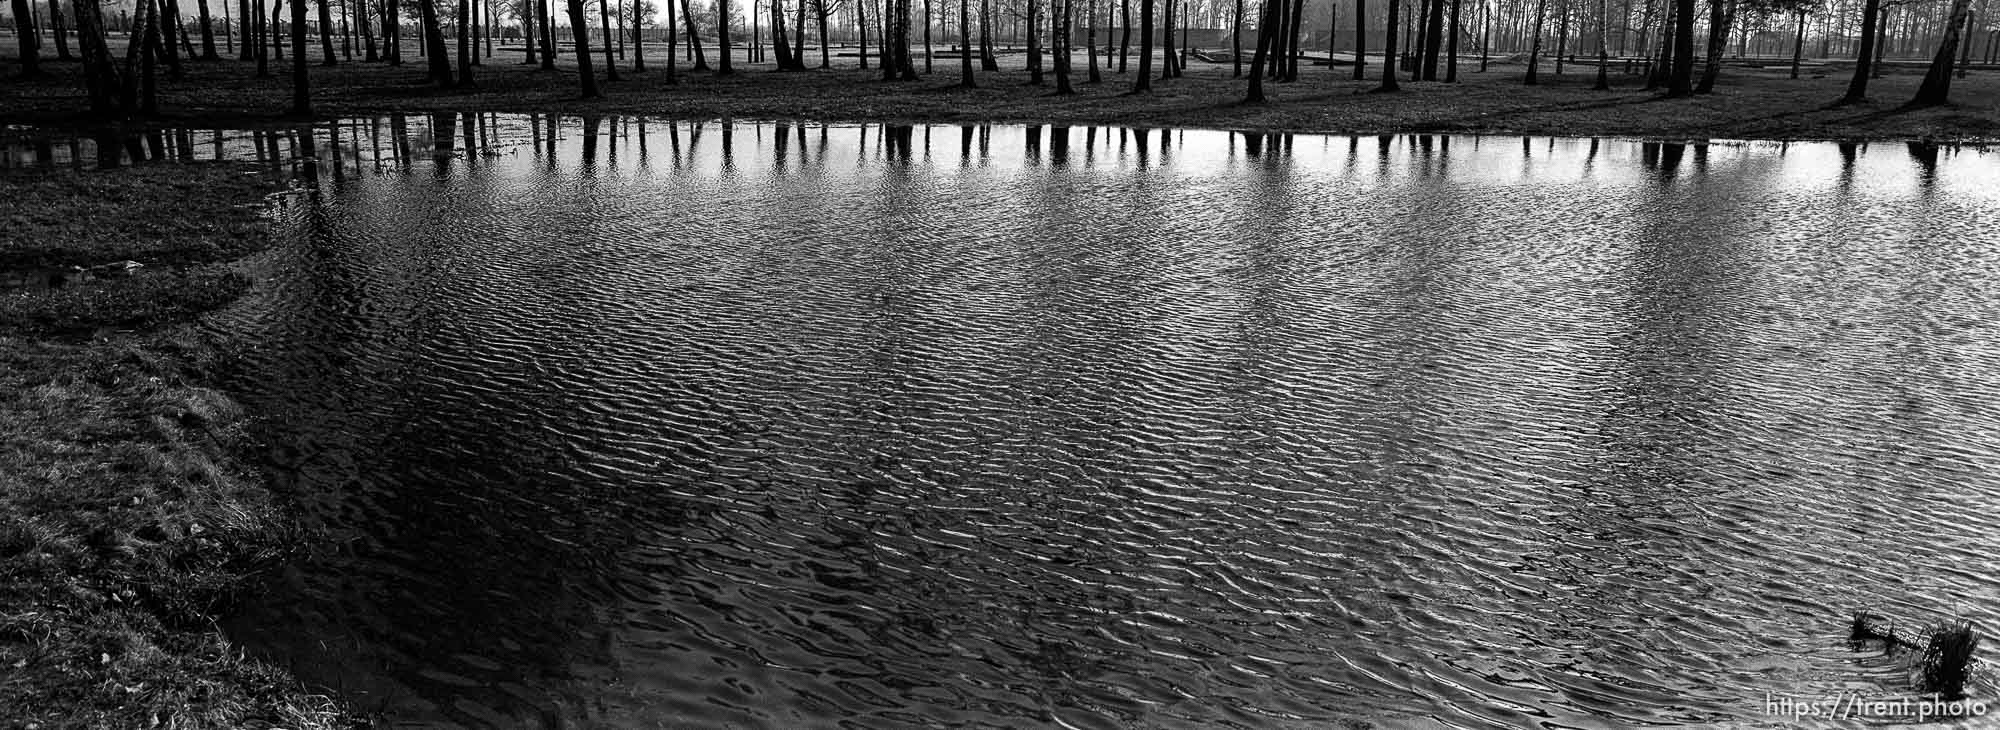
{"points": [[126, 522], [1749, 103]]}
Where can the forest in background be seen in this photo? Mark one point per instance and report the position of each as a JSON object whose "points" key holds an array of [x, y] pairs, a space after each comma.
{"points": [[1677, 46]]}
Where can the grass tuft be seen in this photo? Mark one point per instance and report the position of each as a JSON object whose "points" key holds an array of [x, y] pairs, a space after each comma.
{"points": [[126, 522], [1947, 659]]}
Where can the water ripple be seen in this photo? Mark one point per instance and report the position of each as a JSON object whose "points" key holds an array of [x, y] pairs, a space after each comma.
{"points": [[640, 423]]}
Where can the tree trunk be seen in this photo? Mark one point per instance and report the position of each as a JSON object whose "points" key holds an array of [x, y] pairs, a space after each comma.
{"points": [[1936, 88], [1034, 45], [579, 27], [1605, 53], [1535, 45], [1145, 80], [905, 61], [476, 9], [1857, 88], [825, 55], [325, 32], [1798, 43], [1062, 48], [392, 32], [135, 46], [885, 51], [367, 31], [604, 24], [149, 51], [1603, 46], [1090, 41], [639, 32], [301, 88], [1266, 37], [438, 59], [1125, 41], [61, 31], [1236, 39], [547, 23], [1451, 44], [1389, 51], [1562, 36], [1681, 83], [1360, 40], [1433, 40], [277, 26], [528, 32], [1293, 31], [779, 40], [257, 39], [1965, 42], [1274, 62], [100, 75], [1166, 39], [694, 35], [1486, 36], [986, 60], [1722, 13], [467, 46], [1663, 61], [247, 27], [1417, 37], [965, 78], [673, 50], [166, 17], [722, 66]]}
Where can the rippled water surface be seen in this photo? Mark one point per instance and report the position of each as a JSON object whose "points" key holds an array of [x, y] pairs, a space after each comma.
{"points": [[618, 423]]}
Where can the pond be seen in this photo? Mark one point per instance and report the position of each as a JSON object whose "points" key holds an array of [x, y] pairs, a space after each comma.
{"points": [[633, 423]]}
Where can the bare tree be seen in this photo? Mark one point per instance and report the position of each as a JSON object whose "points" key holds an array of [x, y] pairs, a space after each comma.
{"points": [[694, 35], [1681, 82], [1857, 88], [1236, 39], [986, 60], [546, 21], [1062, 46], [1721, 15], [783, 44], [1451, 43], [1034, 45], [1535, 46], [301, 87], [722, 38], [638, 34], [1936, 88], [1603, 48], [325, 32], [965, 46], [1266, 37], [1144, 81], [604, 23], [1090, 40], [1389, 51], [580, 28], [467, 46], [100, 75]]}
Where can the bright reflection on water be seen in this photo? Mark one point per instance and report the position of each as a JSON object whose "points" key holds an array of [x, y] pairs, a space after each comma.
{"points": [[629, 423]]}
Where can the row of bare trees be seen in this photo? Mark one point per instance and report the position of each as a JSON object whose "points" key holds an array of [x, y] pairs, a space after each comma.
{"points": [[159, 34]]}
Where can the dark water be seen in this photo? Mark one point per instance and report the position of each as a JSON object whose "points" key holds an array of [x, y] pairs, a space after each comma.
{"points": [[635, 424]]}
